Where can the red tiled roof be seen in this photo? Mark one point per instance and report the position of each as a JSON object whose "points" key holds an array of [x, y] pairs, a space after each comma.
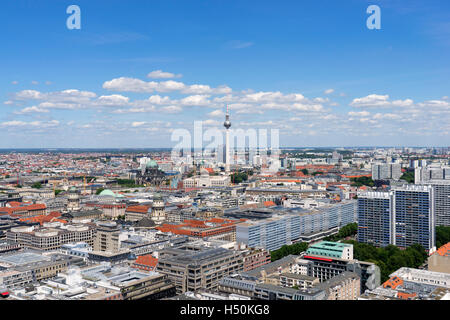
{"points": [[269, 204], [405, 295], [31, 207], [393, 282], [300, 174], [52, 217], [138, 209], [55, 214], [198, 228], [37, 206], [147, 260], [444, 250]]}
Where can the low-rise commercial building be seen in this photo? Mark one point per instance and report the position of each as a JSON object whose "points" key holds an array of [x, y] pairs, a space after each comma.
{"points": [[331, 249], [199, 269], [256, 258], [345, 286], [52, 237], [137, 285], [439, 261], [297, 280], [217, 228], [412, 284]]}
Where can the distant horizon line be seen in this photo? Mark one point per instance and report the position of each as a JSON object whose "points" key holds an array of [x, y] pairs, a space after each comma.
{"points": [[170, 148]]}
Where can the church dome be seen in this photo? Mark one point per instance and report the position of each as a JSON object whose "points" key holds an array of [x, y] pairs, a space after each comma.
{"points": [[151, 164], [107, 193]]}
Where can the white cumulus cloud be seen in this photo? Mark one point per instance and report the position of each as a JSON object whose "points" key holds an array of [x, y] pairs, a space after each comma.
{"points": [[159, 74]]}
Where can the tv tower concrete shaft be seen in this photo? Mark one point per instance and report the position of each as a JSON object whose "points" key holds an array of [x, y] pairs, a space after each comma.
{"points": [[227, 125]]}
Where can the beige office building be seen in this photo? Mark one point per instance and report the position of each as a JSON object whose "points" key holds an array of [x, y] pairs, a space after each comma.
{"points": [[107, 237]]}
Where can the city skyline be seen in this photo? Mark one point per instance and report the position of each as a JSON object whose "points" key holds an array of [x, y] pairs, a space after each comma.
{"points": [[129, 76], [224, 158]]}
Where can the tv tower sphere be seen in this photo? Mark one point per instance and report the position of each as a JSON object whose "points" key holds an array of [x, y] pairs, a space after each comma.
{"points": [[227, 123]]}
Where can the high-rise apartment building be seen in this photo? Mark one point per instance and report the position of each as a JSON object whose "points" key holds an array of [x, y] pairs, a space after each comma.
{"points": [[431, 173], [402, 217], [414, 216], [375, 218], [384, 171], [441, 201], [221, 153]]}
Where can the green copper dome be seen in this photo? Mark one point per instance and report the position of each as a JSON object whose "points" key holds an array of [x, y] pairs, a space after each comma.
{"points": [[152, 164], [107, 192]]}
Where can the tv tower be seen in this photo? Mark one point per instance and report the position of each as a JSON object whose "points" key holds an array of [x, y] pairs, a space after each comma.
{"points": [[227, 125]]}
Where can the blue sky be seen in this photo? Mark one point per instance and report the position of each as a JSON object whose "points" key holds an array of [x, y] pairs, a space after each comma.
{"points": [[311, 69]]}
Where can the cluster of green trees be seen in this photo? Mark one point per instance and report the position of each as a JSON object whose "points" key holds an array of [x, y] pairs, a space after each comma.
{"points": [[57, 191], [249, 172], [442, 236], [37, 185], [239, 177], [99, 190], [362, 181], [389, 258], [346, 231], [408, 176], [315, 173], [286, 250], [128, 183], [305, 171]]}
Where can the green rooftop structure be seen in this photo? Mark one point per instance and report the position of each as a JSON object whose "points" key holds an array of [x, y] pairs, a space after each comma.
{"points": [[151, 164], [331, 250], [107, 193]]}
